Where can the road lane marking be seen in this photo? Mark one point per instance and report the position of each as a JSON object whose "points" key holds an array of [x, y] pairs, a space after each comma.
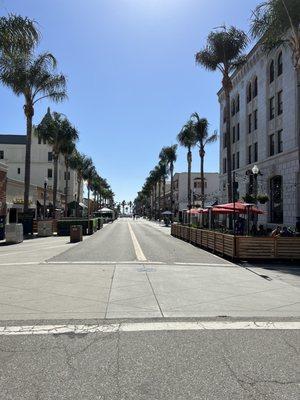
{"points": [[147, 327], [206, 264], [137, 248], [102, 262]]}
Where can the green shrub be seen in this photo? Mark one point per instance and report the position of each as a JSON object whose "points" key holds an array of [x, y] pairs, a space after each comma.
{"points": [[63, 226]]}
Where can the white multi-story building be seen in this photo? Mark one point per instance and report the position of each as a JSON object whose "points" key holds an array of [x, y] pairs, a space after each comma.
{"points": [[211, 189], [12, 153], [264, 133]]}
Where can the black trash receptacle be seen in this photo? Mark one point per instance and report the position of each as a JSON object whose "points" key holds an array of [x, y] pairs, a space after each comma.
{"points": [[2, 227], [75, 233]]}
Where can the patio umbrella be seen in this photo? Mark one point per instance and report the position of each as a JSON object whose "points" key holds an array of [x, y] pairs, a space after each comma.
{"points": [[193, 211], [167, 213], [241, 208]]}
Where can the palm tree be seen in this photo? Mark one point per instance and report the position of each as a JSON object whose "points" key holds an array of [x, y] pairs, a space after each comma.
{"points": [[223, 52], [277, 22], [17, 34], [78, 162], [170, 156], [88, 174], [34, 78], [187, 139], [130, 206], [203, 138], [59, 133], [67, 151], [123, 204]]}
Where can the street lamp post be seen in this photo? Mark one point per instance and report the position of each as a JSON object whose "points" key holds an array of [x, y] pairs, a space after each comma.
{"points": [[45, 196], [255, 172]]}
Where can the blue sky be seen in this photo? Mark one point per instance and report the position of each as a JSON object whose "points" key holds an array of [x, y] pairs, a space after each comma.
{"points": [[132, 79]]}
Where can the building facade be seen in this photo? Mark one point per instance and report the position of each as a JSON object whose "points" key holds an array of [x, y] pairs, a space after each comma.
{"points": [[12, 153], [263, 110], [211, 189]]}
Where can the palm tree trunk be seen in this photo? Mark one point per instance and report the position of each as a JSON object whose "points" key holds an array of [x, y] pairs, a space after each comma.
{"points": [[298, 130], [159, 197], [202, 153], [67, 187], [189, 160], [55, 182], [89, 207], [155, 200], [172, 189], [29, 112], [164, 192], [78, 194]]}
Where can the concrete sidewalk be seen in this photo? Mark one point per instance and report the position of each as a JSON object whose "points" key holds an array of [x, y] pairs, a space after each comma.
{"points": [[96, 291]]}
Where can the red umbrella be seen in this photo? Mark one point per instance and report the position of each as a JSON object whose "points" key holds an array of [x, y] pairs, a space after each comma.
{"points": [[241, 208]]}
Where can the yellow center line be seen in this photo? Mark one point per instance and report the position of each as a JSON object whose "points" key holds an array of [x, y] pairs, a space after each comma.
{"points": [[137, 248]]}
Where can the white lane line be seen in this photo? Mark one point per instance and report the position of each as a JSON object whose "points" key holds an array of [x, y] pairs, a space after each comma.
{"points": [[148, 327], [25, 251], [104, 262], [206, 264], [20, 263], [137, 248]]}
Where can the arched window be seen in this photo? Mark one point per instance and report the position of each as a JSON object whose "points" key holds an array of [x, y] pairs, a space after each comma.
{"points": [[279, 64], [249, 93], [233, 108], [276, 202], [255, 87], [272, 72]]}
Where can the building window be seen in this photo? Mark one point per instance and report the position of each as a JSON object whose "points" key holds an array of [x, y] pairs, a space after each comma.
{"points": [[279, 64], [238, 160], [224, 165], [50, 156], [237, 108], [271, 145], [224, 140], [233, 162], [279, 141], [224, 115], [249, 154], [249, 93], [238, 132], [233, 108], [255, 119], [279, 103], [49, 173], [272, 72], [272, 108], [255, 152], [19, 171], [249, 123], [276, 203], [255, 87], [1, 154], [233, 134]]}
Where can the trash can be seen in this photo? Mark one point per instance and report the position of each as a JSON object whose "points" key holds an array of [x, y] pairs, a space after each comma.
{"points": [[2, 227], [75, 233]]}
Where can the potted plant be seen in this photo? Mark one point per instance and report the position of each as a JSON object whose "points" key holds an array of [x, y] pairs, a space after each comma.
{"points": [[248, 198], [262, 198]]}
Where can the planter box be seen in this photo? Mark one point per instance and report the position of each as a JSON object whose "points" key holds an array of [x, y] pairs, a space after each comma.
{"points": [[241, 247], [45, 228], [88, 227], [14, 233]]}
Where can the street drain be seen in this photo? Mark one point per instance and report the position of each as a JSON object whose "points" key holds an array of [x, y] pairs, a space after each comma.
{"points": [[148, 269]]}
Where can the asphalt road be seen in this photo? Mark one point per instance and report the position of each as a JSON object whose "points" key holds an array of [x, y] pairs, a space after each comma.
{"points": [[135, 269], [210, 365]]}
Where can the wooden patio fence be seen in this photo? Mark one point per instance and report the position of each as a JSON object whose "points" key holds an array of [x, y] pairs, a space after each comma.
{"points": [[240, 247]]}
